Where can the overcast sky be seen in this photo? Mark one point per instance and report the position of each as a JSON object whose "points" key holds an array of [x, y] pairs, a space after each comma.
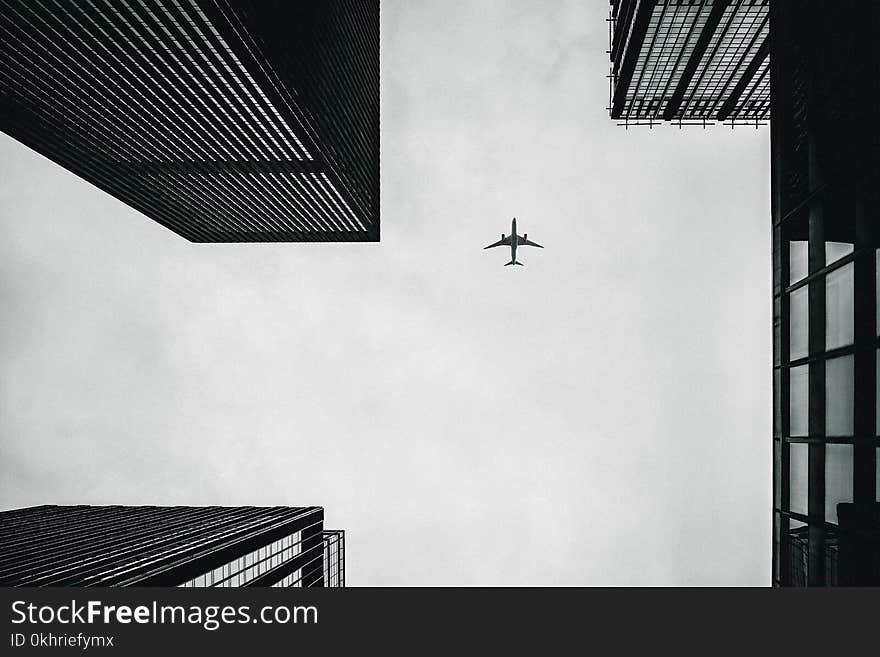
{"points": [[600, 416]]}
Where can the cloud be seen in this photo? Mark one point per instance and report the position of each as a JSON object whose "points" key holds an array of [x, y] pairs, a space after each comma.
{"points": [[595, 417]]}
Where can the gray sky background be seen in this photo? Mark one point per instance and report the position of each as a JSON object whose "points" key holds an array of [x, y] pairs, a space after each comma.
{"points": [[600, 416]]}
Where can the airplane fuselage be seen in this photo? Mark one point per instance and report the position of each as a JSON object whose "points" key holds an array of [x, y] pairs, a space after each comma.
{"points": [[513, 241]]}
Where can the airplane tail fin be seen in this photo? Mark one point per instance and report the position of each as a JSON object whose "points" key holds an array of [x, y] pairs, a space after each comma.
{"points": [[514, 262]]}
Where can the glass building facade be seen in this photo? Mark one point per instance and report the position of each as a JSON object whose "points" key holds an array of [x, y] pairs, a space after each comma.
{"points": [[707, 60], [253, 120], [689, 61], [334, 558], [248, 567], [169, 546], [824, 195]]}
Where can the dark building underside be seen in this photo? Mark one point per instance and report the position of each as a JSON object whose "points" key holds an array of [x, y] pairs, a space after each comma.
{"points": [[225, 121], [690, 60]]}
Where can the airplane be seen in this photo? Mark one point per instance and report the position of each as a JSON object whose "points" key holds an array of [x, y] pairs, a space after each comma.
{"points": [[513, 241]]}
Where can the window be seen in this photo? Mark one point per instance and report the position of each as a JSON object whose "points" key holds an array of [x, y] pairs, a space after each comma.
{"points": [[838, 478], [839, 396], [834, 251], [798, 474], [797, 260], [839, 303], [798, 393], [798, 312]]}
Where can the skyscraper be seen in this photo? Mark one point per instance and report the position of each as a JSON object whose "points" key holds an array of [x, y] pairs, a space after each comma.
{"points": [[821, 61], [225, 121], [169, 546], [825, 165]]}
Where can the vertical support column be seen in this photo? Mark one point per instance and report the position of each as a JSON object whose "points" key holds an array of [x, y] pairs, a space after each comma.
{"points": [[816, 475], [779, 101], [816, 316]]}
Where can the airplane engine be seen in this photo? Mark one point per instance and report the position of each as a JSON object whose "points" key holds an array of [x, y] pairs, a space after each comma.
{"points": [[502, 235], [525, 236]]}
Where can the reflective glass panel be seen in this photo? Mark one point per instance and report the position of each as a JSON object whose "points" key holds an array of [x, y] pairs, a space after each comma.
{"points": [[797, 260], [798, 323], [839, 307], [836, 250], [838, 478], [839, 396], [798, 388], [798, 475]]}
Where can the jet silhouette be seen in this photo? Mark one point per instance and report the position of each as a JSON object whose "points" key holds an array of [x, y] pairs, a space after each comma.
{"points": [[513, 241]]}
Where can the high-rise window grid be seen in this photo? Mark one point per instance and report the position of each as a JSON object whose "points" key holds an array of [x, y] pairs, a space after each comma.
{"points": [[334, 558], [248, 567], [815, 434], [162, 546]]}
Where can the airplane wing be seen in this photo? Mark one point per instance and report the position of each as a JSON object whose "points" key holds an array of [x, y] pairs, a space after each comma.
{"points": [[504, 242], [525, 242]]}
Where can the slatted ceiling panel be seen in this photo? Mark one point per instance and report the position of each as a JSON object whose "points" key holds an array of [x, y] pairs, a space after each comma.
{"points": [[173, 107], [124, 546], [672, 31], [756, 97], [735, 43], [694, 61]]}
